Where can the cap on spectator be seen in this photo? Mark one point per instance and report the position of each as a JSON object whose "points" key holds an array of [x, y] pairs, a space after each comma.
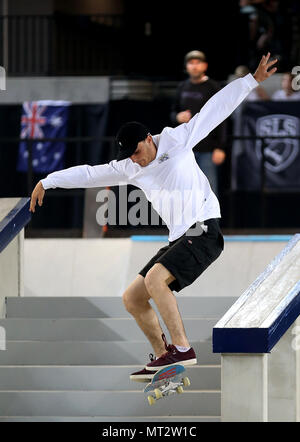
{"points": [[241, 71], [194, 54], [128, 137]]}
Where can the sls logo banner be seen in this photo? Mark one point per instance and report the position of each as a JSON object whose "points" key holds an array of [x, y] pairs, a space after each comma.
{"points": [[282, 155], [279, 153]]}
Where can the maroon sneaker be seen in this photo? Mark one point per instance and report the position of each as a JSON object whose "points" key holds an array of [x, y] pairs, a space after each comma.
{"points": [[143, 375], [172, 356]]}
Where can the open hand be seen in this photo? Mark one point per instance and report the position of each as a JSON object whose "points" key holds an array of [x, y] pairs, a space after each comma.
{"points": [[262, 72], [218, 156], [184, 117], [37, 194]]}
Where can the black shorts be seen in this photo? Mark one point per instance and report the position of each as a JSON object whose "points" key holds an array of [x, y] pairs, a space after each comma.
{"points": [[189, 255]]}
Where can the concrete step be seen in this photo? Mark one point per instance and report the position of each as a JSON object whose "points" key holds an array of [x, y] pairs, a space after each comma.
{"points": [[106, 403], [102, 307], [69, 359], [92, 353], [110, 419], [106, 377], [105, 329]]}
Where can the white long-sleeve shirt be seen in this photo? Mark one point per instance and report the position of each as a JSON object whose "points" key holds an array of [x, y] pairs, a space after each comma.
{"points": [[173, 182]]}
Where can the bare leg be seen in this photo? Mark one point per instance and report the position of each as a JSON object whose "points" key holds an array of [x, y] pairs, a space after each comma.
{"points": [[136, 301], [156, 282]]}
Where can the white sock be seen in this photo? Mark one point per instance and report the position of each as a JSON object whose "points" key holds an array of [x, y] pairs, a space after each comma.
{"points": [[179, 348]]}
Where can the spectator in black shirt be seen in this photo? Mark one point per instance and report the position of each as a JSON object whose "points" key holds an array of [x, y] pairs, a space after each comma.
{"points": [[191, 96]]}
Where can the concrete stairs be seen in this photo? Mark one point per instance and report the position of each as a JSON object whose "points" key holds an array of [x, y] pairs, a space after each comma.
{"points": [[69, 359]]}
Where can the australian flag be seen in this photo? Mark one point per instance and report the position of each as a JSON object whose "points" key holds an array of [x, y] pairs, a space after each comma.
{"points": [[43, 119]]}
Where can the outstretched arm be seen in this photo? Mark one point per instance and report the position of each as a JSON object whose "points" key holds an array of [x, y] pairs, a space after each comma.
{"points": [[84, 176], [222, 104]]}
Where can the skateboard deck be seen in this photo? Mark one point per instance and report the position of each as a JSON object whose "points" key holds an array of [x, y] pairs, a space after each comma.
{"points": [[166, 381]]}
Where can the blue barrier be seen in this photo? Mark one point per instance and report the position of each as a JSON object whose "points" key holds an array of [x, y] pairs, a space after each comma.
{"points": [[14, 222], [228, 238]]}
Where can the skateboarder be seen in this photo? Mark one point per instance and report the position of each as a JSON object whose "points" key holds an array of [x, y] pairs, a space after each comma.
{"points": [[160, 165]]}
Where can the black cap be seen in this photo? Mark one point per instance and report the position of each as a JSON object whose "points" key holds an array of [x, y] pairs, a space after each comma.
{"points": [[128, 136]]}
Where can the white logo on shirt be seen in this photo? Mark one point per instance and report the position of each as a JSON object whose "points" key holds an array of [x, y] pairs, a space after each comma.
{"points": [[163, 157]]}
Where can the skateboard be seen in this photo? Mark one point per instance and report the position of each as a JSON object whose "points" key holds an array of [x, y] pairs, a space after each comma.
{"points": [[166, 381]]}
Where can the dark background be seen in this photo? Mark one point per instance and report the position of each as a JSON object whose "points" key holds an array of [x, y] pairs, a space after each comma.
{"points": [[123, 50]]}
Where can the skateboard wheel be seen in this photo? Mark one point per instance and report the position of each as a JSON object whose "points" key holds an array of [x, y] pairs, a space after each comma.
{"points": [[186, 382], [151, 400], [179, 389], [158, 393]]}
